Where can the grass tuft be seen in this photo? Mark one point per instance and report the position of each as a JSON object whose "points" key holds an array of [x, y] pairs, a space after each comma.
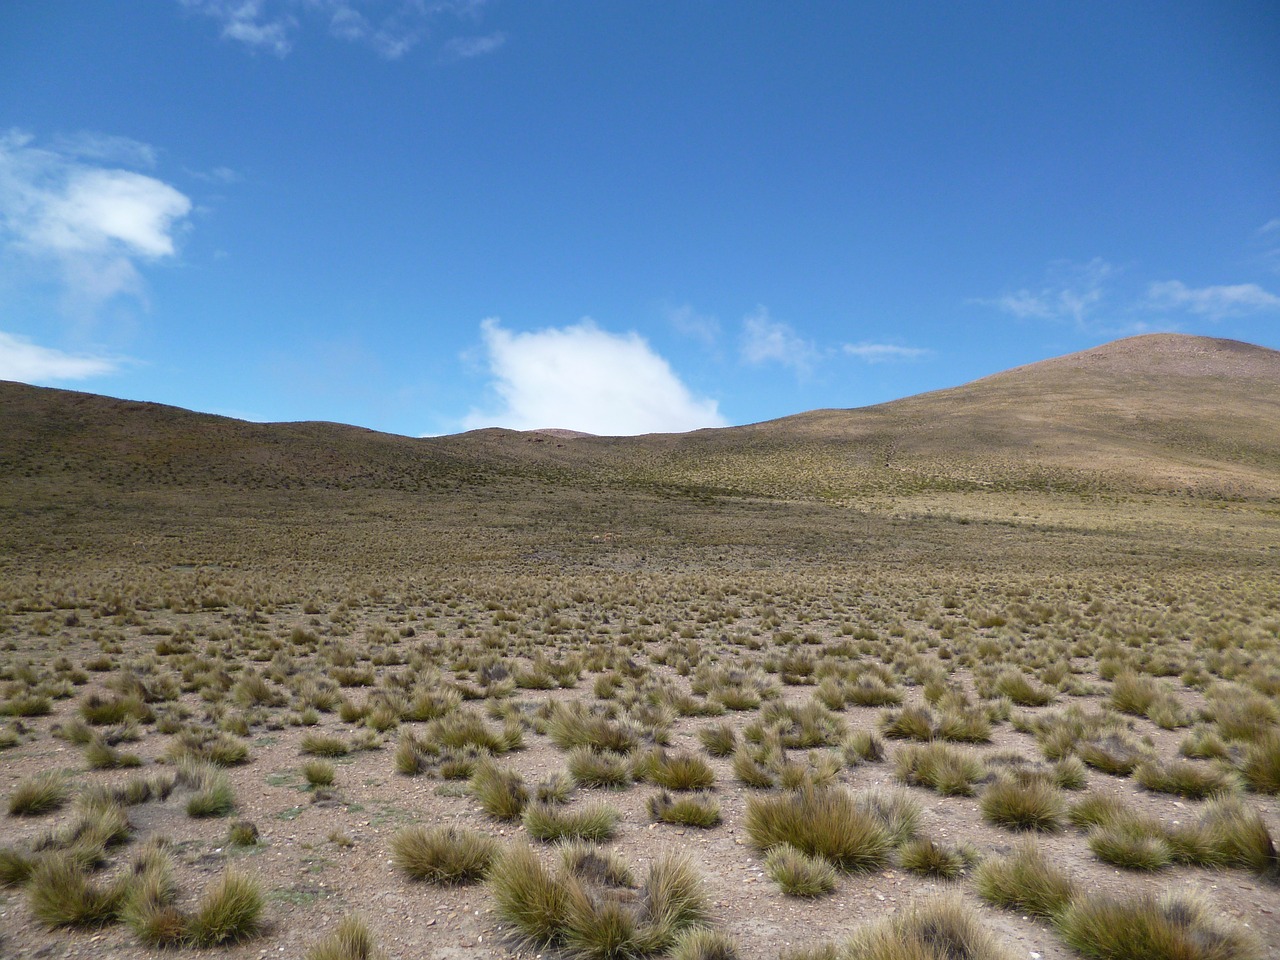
{"points": [[38, 795], [529, 896], [502, 793], [60, 894], [593, 821], [690, 810], [928, 858], [350, 941], [825, 822], [229, 912], [1110, 929], [1025, 880], [1023, 804], [443, 854], [797, 873], [943, 929]]}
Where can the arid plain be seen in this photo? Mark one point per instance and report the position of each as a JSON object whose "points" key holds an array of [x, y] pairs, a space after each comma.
{"points": [[992, 672]]}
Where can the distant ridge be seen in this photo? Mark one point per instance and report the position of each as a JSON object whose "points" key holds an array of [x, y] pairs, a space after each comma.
{"points": [[1168, 413]]}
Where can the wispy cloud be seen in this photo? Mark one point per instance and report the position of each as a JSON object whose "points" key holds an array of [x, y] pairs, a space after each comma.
{"points": [[464, 48], [247, 22], [95, 224], [765, 340], [884, 352], [1072, 293], [580, 377], [107, 148], [28, 362], [391, 28], [1213, 303], [688, 322]]}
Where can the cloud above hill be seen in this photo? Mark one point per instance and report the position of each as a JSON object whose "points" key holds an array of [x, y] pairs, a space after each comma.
{"points": [[580, 377], [93, 224], [28, 362]]}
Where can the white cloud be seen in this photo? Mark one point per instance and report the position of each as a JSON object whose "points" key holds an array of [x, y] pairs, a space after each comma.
{"points": [[884, 352], [246, 22], [1214, 303], [765, 340], [391, 28], [1072, 293], [94, 223], [20, 359], [583, 378], [1271, 226]]}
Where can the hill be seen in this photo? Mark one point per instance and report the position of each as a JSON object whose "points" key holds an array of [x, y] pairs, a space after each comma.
{"points": [[1156, 413]]}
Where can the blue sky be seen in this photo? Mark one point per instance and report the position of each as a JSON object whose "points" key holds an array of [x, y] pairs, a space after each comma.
{"points": [[425, 216]]}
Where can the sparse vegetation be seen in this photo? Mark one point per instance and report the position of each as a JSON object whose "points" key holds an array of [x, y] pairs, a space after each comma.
{"points": [[725, 634]]}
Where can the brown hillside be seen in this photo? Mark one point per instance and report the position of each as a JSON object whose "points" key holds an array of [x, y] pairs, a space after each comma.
{"points": [[1160, 412]]}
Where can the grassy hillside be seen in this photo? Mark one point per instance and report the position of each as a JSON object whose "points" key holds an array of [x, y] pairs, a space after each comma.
{"points": [[1161, 412]]}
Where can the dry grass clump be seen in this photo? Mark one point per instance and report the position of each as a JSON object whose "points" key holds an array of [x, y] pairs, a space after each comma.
{"points": [[1023, 803], [1261, 766], [686, 810], [1023, 690], [60, 894], [590, 912], [599, 768], [350, 941], [1184, 778], [797, 873], [593, 821], [443, 854], [825, 822], [207, 746], [897, 810], [675, 771], [950, 770], [750, 769], [502, 793], [1025, 880], [15, 867], [43, 793], [530, 896], [719, 740], [941, 929], [1131, 843], [99, 710], [465, 729], [243, 833], [212, 793], [1240, 836], [910, 723], [229, 912], [413, 755], [101, 755], [1147, 926], [929, 858], [1116, 753], [861, 746], [323, 745], [572, 725], [704, 943], [319, 773]]}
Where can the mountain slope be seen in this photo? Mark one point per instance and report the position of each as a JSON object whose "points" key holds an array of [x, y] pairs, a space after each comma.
{"points": [[1161, 412]]}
